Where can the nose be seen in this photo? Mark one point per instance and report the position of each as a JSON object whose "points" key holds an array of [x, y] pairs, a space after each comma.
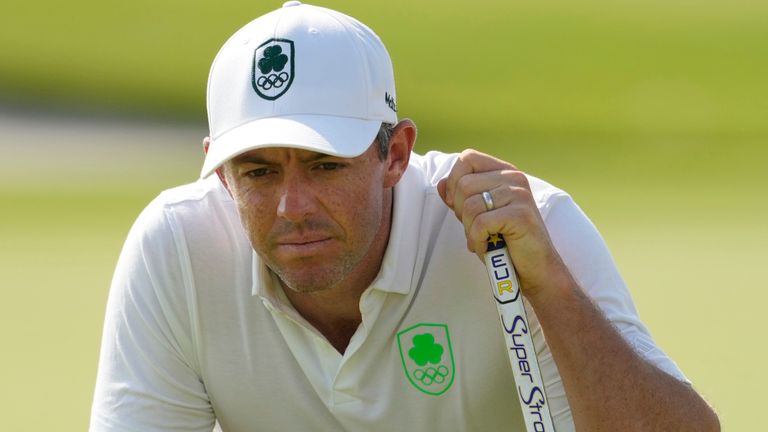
{"points": [[297, 200]]}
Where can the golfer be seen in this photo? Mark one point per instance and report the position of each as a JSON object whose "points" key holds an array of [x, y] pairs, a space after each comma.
{"points": [[322, 276]]}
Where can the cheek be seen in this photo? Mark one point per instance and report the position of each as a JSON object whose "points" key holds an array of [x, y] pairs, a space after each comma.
{"points": [[254, 213], [363, 206]]}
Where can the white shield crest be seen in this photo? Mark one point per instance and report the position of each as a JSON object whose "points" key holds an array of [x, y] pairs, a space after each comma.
{"points": [[273, 68]]}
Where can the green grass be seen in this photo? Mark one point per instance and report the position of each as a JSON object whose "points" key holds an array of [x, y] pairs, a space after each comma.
{"points": [[57, 256], [594, 67], [652, 114]]}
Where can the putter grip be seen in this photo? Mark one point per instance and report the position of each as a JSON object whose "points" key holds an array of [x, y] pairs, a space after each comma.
{"points": [[514, 322]]}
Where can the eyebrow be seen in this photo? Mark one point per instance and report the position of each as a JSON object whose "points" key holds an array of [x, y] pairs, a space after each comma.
{"points": [[242, 159], [249, 159]]}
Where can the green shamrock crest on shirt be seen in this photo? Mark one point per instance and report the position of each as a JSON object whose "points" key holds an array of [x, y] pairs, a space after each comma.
{"points": [[273, 59], [427, 356], [425, 350]]}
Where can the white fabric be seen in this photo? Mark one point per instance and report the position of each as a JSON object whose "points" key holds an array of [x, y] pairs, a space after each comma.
{"points": [[197, 330], [333, 89]]}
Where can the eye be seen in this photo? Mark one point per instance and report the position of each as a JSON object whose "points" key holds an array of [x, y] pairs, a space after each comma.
{"points": [[329, 166], [258, 172]]}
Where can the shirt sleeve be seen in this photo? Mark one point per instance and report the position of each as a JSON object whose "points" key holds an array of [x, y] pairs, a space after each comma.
{"points": [[585, 253], [148, 378]]}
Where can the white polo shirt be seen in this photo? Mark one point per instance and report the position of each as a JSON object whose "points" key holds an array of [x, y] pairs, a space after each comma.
{"points": [[198, 330]]}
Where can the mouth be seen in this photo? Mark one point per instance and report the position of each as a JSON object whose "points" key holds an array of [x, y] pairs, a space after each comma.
{"points": [[303, 246]]}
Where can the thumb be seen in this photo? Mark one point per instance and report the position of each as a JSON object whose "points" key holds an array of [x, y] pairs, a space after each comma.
{"points": [[441, 188]]}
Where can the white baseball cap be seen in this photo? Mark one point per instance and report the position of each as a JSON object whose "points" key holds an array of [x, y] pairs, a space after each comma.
{"points": [[301, 76]]}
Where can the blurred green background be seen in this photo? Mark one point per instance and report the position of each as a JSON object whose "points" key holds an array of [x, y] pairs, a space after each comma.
{"points": [[652, 114]]}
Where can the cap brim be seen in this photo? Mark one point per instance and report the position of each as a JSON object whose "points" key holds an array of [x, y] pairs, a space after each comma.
{"points": [[338, 136]]}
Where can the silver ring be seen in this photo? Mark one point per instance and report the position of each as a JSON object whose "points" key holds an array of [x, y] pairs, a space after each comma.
{"points": [[488, 200]]}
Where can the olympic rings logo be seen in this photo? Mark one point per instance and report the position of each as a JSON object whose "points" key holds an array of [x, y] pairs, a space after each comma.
{"points": [[272, 80], [430, 375]]}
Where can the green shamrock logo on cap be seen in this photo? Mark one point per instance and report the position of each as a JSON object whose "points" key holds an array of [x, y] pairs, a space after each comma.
{"points": [[273, 60], [273, 68]]}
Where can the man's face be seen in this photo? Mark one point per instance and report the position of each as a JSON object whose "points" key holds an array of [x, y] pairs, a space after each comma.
{"points": [[313, 218]]}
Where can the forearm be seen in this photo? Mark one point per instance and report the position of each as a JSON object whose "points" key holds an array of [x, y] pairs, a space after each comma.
{"points": [[608, 385]]}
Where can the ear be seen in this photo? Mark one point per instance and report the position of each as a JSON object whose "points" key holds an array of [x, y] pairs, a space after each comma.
{"points": [[219, 171], [400, 145], [206, 144]]}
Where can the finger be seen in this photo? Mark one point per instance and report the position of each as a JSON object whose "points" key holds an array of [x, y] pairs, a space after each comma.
{"points": [[468, 162], [467, 187], [480, 230], [441, 188], [474, 205], [505, 221], [478, 183], [515, 213], [471, 186], [460, 169], [479, 222]]}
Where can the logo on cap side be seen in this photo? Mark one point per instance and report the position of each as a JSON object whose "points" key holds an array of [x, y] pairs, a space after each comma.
{"points": [[390, 101], [272, 73]]}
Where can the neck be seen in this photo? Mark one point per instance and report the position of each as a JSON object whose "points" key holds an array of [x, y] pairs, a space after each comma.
{"points": [[335, 311]]}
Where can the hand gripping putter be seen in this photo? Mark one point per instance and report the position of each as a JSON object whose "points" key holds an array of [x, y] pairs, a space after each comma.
{"points": [[522, 354]]}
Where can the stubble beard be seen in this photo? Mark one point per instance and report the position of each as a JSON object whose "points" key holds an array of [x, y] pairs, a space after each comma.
{"points": [[320, 274], [321, 279]]}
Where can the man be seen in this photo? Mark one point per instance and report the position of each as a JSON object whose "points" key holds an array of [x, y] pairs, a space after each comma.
{"points": [[325, 277]]}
